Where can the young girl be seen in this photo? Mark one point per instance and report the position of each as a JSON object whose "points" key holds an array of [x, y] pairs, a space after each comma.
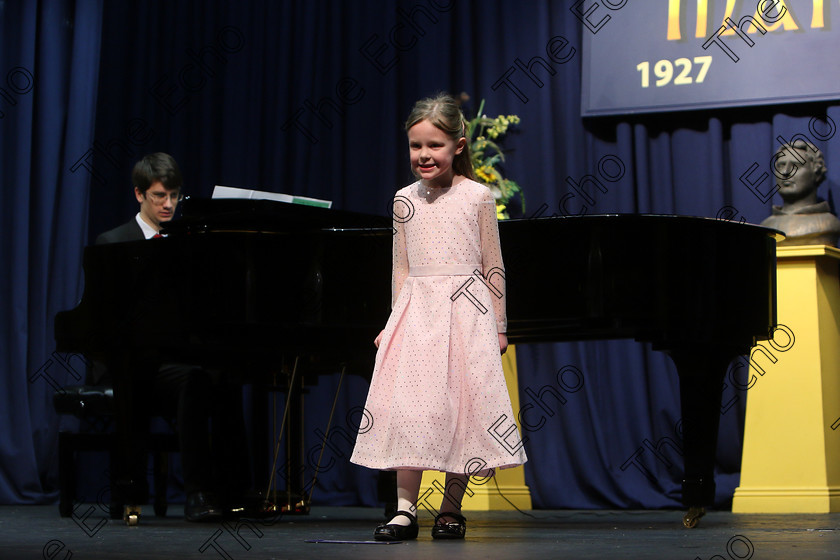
{"points": [[438, 392]]}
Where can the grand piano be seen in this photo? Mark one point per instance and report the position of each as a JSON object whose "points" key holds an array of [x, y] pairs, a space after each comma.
{"points": [[315, 284], [701, 290], [263, 292]]}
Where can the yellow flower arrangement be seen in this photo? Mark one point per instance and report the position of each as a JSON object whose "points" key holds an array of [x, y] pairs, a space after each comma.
{"points": [[487, 155]]}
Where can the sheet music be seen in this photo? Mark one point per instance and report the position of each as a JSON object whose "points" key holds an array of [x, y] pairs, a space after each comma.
{"points": [[235, 192]]}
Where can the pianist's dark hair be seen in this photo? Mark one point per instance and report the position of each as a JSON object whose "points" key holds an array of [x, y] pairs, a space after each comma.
{"points": [[445, 113], [156, 167]]}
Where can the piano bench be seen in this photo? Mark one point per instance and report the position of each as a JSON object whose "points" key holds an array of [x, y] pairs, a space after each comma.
{"points": [[94, 405]]}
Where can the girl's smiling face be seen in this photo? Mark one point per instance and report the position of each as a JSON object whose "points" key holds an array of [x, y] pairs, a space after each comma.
{"points": [[432, 152]]}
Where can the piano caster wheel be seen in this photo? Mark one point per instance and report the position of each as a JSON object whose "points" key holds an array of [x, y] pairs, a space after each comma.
{"points": [[299, 508], [131, 515], [693, 516]]}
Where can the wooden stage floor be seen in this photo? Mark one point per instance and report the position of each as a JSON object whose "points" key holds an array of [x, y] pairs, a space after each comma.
{"points": [[35, 532]]}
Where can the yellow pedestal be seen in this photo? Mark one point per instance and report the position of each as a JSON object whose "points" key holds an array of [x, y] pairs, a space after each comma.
{"points": [[791, 457], [511, 490]]}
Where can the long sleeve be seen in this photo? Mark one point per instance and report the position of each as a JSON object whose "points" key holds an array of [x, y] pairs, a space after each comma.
{"points": [[399, 267], [492, 266]]}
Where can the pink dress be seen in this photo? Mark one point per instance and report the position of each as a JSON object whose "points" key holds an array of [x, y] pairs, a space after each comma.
{"points": [[438, 398]]}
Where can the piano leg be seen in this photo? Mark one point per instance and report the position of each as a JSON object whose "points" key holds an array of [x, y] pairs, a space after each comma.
{"points": [[129, 485], [701, 370]]}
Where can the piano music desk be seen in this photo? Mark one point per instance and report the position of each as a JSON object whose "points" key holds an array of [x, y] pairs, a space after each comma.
{"points": [[791, 456]]}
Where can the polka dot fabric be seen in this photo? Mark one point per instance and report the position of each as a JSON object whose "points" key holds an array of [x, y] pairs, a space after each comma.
{"points": [[438, 397]]}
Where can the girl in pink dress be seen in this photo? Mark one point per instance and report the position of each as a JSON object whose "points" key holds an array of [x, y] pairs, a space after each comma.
{"points": [[438, 397]]}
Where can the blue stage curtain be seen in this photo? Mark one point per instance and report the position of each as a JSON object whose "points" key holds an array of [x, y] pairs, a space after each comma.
{"points": [[49, 64], [309, 98]]}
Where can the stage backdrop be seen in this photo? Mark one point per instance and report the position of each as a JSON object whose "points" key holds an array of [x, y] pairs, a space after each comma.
{"points": [[309, 98]]}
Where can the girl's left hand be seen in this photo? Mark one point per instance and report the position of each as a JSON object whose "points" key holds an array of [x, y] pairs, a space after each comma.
{"points": [[503, 342]]}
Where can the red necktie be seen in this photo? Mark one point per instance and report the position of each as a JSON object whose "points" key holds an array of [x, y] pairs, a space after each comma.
{"points": [[155, 236]]}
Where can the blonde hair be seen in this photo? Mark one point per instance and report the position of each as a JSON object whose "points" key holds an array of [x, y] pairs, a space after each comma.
{"points": [[443, 112]]}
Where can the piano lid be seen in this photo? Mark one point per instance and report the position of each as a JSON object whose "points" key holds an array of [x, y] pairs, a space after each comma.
{"points": [[231, 214], [628, 220]]}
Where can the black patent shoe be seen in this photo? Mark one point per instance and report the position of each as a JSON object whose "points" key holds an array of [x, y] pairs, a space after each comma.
{"points": [[393, 532], [202, 507], [449, 530]]}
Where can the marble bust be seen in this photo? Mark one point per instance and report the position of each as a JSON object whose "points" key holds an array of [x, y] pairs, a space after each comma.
{"points": [[803, 219]]}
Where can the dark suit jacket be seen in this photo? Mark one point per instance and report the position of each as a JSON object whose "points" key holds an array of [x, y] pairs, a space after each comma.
{"points": [[129, 231]]}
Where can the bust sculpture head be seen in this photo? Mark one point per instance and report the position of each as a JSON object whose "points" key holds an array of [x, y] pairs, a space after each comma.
{"points": [[799, 168]]}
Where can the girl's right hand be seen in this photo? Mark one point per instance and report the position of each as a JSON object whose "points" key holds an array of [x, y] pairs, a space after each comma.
{"points": [[378, 338]]}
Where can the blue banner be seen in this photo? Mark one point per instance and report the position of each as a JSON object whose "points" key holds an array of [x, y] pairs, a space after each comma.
{"points": [[642, 57]]}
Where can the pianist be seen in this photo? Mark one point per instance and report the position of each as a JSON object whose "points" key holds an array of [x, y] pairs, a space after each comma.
{"points": [[157, 187], [215, 476]]}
